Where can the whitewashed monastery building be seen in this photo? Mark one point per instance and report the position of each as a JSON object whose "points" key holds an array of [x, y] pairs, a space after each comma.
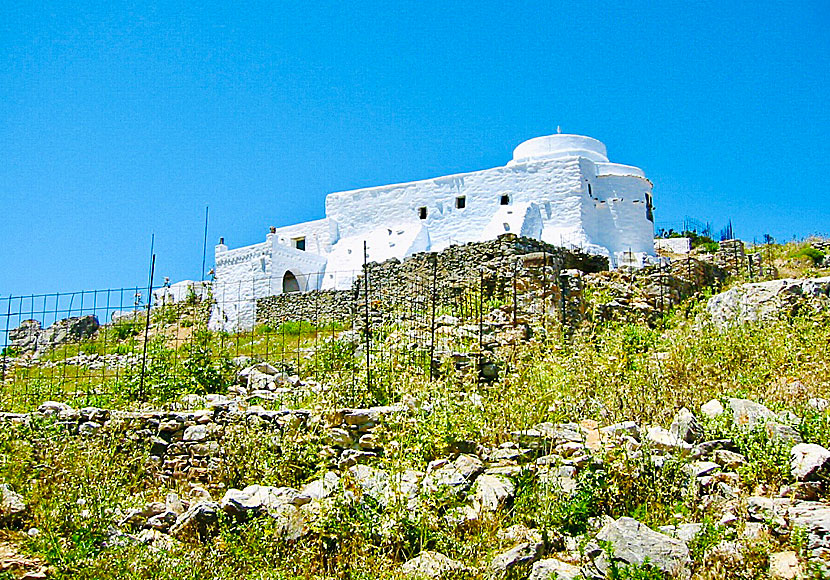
{"points": [[558, 188]]}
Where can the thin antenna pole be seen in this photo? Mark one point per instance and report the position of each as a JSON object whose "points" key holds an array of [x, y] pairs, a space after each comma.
{"points": [[204, 246]]}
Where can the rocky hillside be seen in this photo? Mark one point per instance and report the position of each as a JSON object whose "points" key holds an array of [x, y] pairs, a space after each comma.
{"points": [[688, 441]]}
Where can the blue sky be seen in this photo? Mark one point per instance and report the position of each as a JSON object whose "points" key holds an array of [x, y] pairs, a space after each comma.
{"points": [[123, 119]]}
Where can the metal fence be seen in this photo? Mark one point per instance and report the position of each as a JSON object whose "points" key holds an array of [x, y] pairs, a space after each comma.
{"points": [[128, 345]]}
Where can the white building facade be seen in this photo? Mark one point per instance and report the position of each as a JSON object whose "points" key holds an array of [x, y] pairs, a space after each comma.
{"points": [[560, 189]]}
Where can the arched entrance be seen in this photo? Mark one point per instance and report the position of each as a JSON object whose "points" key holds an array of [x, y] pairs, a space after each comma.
{"points": [[290, 283]]}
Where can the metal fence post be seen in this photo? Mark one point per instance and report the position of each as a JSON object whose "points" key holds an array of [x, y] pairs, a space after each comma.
{"points": [[6, 341], [433, 299], [141, 394], [367, 330]]}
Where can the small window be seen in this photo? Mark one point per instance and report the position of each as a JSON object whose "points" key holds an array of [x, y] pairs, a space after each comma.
{"points": [[422, 213], [299, 243], [460, 202], [591, 193], [505, 200]]}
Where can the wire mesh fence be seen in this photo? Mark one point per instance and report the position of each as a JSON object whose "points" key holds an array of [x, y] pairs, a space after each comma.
{"points": [[130, 345]]}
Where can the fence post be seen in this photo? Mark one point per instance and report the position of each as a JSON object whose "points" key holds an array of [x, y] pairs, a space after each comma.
{"points": [[6, 341], [515, 297], [433, 299], [544, 287], [367, 330], [141, 393]]}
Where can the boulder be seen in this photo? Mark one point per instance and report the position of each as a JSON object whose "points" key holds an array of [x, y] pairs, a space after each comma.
{"points": [[712, 408], [665, 440], [321, 488], [632, 543]]}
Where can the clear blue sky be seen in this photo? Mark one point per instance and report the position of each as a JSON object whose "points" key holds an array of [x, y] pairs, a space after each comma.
{"points": [[121, 119]]}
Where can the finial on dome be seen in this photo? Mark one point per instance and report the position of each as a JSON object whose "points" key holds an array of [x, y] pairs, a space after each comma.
{"points": [[559, 129]]}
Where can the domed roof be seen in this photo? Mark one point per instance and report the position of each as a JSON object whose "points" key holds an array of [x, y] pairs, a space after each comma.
{"points": [[554, 146]]}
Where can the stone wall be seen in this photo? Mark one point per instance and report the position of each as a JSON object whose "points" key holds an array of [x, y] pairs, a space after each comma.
{"points": [[317, 306], [456, 279]]}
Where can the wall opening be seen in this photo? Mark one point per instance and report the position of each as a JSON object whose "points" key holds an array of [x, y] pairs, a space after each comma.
{"points": [[460, 202], [422, 213], [290, 283], [299, 243], [590, 193], [505, 200]]}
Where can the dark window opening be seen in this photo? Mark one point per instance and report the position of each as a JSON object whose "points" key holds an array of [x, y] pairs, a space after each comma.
{"points": [[505, 200], [649, 208], [460, 202], [589, 190], [299, 243], [422, 213]]}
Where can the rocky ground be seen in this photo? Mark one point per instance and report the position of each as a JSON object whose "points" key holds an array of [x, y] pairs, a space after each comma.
{"points": [[692, 444]]}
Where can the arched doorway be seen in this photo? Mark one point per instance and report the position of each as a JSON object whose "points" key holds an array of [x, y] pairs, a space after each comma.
{"points": [[290, 283]]}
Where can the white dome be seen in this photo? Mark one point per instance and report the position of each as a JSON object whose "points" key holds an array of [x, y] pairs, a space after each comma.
{"points": [[553, 146]]}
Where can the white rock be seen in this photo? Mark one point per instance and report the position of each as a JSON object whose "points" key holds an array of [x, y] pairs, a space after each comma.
{"points": [[429, 564], [492, 492], [784, 566], [524, 553], [664, 440], [552, 568], [808, 461], [712, 408], [195, 433], [632, 543]]}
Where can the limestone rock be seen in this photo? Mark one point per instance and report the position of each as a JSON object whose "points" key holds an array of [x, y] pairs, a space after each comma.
{"points": [[521, 554], [321, 488], [11, 502], [625, 428], [632, 543], [814, 518], [195, 433], [713, 408], [728, 459], [748, 414], [767, 300], [784, 566], [429, 564], [664, 440], [809, 461], [197, 522], [53, 408], [372, 482], [684, 532], [458, 474], [550, 568], [684, 426], [493, 492]]}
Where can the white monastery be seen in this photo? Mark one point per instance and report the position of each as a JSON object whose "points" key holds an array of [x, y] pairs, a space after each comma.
{"points": [[558, 188]]}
